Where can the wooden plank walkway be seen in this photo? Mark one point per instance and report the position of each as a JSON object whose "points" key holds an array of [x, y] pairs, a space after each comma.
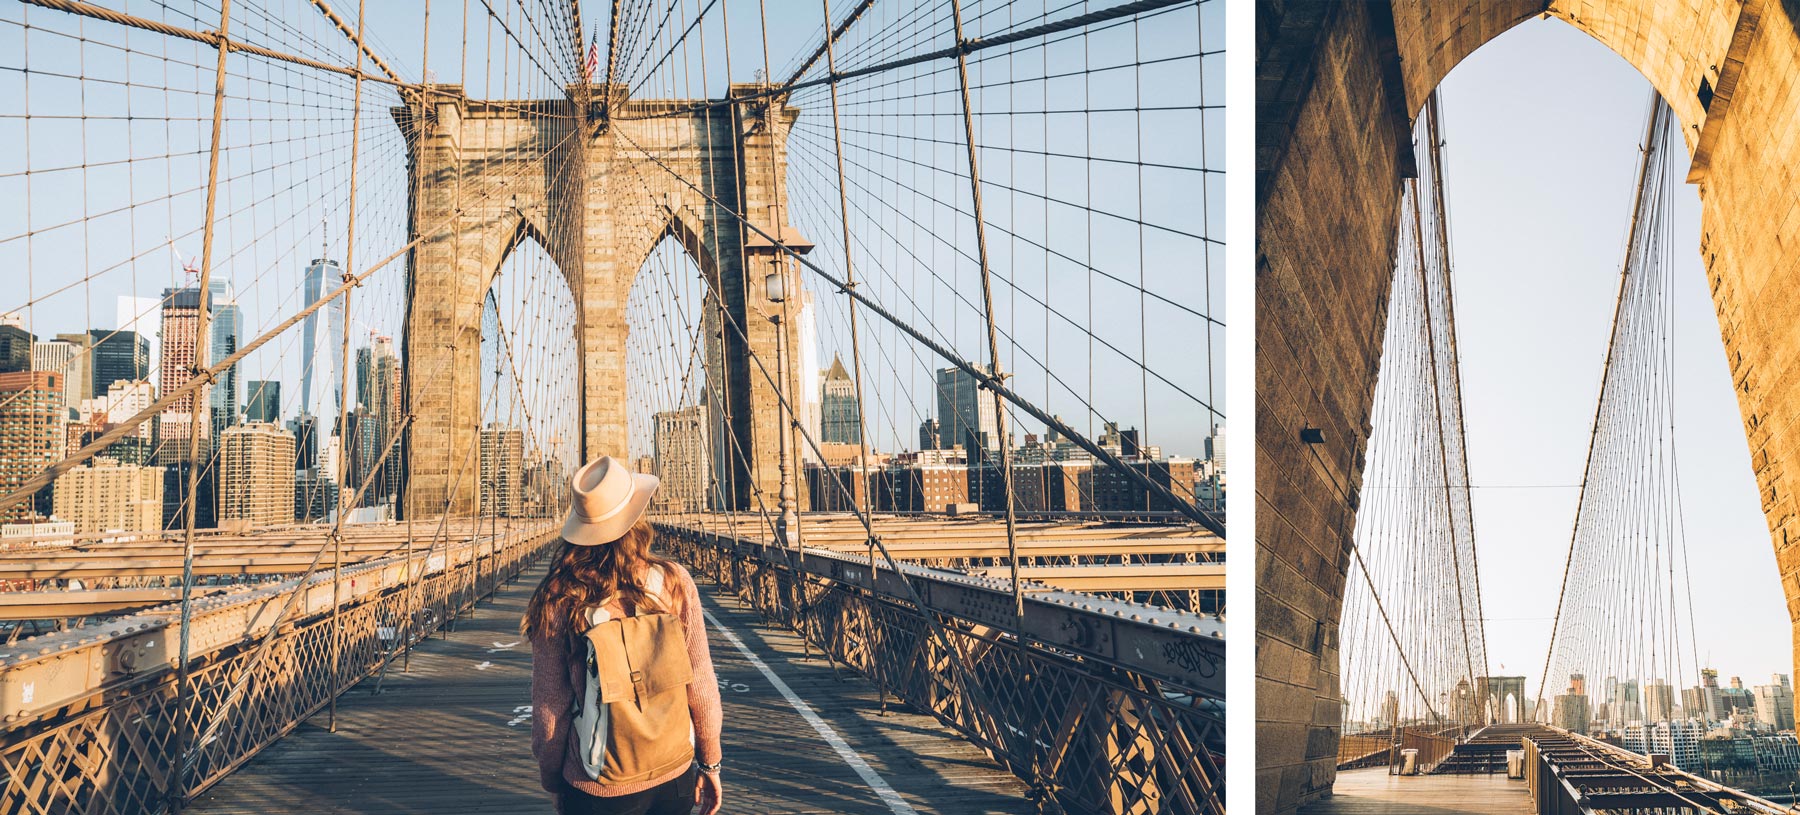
{"points": [[454, 736], [1374, 792]]}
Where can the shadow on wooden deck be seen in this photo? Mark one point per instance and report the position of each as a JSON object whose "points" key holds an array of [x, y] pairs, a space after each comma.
{"points": [[453, 735]]}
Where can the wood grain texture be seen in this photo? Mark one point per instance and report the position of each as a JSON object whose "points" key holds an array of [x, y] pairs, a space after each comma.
{"points": [[1374, 792]]}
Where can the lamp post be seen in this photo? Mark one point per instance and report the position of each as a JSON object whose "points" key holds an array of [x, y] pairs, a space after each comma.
{"points": [[775, 287]]}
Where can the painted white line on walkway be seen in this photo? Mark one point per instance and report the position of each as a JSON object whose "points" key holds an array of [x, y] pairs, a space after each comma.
{"points": [[869, 776]]}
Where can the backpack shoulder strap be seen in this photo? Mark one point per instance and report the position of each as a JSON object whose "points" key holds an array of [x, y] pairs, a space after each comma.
{"points": [[655, 590]]}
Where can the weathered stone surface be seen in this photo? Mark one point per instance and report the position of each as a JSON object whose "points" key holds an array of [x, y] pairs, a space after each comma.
{"points": [[1328, 166], [598, 196]]}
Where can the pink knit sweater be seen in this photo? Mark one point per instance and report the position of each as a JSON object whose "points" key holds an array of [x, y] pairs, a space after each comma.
{"points": [[555, 678]]}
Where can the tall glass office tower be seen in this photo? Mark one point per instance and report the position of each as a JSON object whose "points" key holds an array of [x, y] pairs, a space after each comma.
{"points": [[321, 351], [227, 329]]}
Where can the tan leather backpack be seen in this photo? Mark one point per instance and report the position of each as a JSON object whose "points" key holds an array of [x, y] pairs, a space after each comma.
{"points": [[631, 720]]}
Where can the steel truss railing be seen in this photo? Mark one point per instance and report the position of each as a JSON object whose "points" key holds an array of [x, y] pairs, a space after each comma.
{"points": [[89, 716], [1100, 705], [1568, 773]]}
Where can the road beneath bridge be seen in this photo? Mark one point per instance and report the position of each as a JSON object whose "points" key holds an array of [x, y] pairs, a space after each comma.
{"points": [[453, 735]]}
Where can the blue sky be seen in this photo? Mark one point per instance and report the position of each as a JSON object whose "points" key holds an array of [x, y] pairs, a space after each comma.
{"points": [[288, 145]]}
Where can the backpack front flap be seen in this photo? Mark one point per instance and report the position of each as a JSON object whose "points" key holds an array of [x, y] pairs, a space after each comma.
{"points": [[640, 657]]}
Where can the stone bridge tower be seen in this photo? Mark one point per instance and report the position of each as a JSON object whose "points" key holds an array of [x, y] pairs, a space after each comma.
{"points": [[1502, 699], [598, 193], [1339, 86]]}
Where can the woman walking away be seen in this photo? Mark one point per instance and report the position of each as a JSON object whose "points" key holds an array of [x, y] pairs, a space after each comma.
{"points": [[624, 704]]}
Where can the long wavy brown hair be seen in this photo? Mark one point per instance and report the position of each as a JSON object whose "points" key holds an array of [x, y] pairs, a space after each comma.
{"points": [[582, 576]]}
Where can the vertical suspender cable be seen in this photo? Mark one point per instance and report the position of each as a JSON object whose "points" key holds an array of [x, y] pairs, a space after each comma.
{"points": [[987, 301], [1443, 224], [1431, 353], [862, 439], [345, 442], [789, 500], [403, 627], [1600, 403], [198, 367]]}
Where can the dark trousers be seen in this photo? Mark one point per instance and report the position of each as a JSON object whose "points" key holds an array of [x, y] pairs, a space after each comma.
{"points": [[671, 798]]}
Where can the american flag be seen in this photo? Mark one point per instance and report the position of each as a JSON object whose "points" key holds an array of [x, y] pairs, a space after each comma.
{"points": [[593, 58]]}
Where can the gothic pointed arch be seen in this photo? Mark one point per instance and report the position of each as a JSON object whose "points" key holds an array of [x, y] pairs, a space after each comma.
{"points": [[598, 199], [1339, 87]]}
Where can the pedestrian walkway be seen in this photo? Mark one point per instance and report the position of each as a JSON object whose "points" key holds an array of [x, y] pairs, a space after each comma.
{"points": [[453, 735], [1374, 792]]}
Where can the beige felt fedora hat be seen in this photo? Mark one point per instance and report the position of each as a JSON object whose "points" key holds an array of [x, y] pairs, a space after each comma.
{"points": [[607, 499]]}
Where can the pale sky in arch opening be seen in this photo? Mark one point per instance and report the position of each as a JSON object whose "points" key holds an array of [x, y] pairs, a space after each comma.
{"points": [[1541, 132]]}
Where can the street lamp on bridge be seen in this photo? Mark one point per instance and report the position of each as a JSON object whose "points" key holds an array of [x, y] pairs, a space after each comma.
{"points": [[775, 288]]}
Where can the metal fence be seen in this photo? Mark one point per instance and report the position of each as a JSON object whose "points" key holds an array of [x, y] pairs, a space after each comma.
{"points": [[90, 718], [1099, 705], [1571, 774]]}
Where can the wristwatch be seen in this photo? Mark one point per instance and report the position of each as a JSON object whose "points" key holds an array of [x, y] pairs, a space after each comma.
{"points": [[708, 768]]}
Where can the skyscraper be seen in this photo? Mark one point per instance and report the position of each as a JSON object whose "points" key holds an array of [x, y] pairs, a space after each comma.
{"points": [[1625, 703], [1659, 701], [57, 356], [1215, 448], [315, 494], [306, 442], [31, 434], [546, 488], [226, 328], [1680, 741], [502, 470], [256, 477], [321, 351], [122, 400], [365, 446], [1775, 703], [117, 355], [1736, 698], [1571, 708], [107, 495], [928, 434], [962, 409], [15, 344], [175, 495], [184, 446], [682, 457], [263, 401], [81, 373], [806, 356], [181, 351], [840, 420], [378, 399], [142, 316]]}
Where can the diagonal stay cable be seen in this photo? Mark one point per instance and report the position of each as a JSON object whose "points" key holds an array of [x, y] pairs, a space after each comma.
{"points": [[970, 47], [206, 375], [1599, 407], [984, 379]]}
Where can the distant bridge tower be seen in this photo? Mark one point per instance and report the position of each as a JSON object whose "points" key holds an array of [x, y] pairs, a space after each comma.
{"points": [[1503, 697], [598, 194]]}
